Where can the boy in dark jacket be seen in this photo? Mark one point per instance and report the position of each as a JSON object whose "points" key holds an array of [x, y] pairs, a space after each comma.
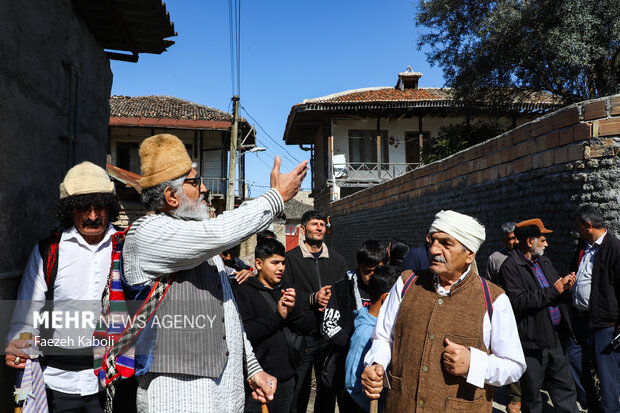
{"points": [[348, 295], [268, 306]]}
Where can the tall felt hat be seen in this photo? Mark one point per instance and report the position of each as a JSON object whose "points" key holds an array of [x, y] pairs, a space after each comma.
{"points": [[86, 178], [162, 158]]}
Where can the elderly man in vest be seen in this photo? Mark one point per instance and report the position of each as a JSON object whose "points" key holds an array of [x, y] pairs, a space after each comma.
{"points": [[448, 334], [195, 368]]}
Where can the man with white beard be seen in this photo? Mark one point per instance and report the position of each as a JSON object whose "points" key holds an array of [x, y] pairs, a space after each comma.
{"points": [[194, 368], [539, 296]]}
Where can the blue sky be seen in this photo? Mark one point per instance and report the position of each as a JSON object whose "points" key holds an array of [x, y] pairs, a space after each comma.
{"points": [[290, 51]]}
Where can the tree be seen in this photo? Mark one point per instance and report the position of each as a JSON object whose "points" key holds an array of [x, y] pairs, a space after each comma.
{"points": [[454, 138], [490, 50]]}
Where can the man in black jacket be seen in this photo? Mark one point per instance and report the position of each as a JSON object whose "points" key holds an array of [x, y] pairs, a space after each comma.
{"points": [[538, 296], [314, 269], [595, 298], [268, 306]]}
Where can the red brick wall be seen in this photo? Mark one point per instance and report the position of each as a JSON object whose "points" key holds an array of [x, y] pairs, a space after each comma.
{"points": [[559, 137]]}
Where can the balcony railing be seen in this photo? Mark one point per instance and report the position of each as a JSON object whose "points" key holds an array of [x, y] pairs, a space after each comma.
{"points": [[364, 173], [218, 186]]}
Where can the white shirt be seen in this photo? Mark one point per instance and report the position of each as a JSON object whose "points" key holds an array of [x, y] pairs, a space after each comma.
{"points": [[583, 284], [82, 272], [504, 365]]}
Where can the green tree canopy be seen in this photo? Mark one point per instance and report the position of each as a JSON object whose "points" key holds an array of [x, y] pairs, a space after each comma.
{"points": [[486, 48]]}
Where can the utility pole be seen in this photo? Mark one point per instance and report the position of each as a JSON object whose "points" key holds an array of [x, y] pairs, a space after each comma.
{"points": [[232, 163]]}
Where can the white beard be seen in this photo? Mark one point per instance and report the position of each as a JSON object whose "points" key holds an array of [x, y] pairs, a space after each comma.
{"points": [[191, 210]]}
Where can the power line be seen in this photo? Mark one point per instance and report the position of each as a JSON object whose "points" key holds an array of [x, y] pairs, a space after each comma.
{"points": [[284, 159], [269, 136], [234, 21]]}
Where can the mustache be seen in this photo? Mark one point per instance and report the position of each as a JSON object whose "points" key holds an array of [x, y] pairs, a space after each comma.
{"points": [[95, 223], [438, 258]]}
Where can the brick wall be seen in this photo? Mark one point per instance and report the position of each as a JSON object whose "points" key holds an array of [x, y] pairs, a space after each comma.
{"points": [[544, 168]]}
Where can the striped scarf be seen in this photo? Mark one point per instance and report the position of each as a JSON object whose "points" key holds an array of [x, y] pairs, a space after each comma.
{"points": [[115, 334], [32, 389]]}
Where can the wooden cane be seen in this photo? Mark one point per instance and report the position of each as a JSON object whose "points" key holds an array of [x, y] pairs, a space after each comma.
{"points": [[263, 408], [20, 373], [374, 406]]}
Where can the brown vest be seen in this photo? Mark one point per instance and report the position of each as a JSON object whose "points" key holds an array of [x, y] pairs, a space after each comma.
{"points": [[419, 382]]}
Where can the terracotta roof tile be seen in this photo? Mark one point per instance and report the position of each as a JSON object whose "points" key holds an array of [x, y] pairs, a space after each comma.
{"points": [[390, 94], [164, 107], [387, 94]]}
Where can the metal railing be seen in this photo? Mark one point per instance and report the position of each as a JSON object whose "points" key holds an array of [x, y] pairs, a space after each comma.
{"points": [[219, 186], [370, 172]]}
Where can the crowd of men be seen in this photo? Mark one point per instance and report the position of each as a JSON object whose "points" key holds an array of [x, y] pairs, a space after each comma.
{"points": [[417, 329]]}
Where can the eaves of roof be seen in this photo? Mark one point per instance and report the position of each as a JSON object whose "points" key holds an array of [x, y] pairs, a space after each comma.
{"points": [[170, 123], [307, 116], [127, 177], [135, 26]]}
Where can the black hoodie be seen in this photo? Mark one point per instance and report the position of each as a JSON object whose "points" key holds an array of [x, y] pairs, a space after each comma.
{"points": [[264, 327]]}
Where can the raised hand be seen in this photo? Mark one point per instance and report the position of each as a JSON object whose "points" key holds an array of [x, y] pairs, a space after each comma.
{"points": [[288, 184]]}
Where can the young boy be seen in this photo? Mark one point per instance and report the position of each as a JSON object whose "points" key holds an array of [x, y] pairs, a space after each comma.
{"points": [[348, 295], [379, 286], [267, 306]]}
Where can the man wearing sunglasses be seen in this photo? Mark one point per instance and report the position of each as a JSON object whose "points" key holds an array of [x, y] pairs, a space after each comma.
{"points": [[196, 369]]}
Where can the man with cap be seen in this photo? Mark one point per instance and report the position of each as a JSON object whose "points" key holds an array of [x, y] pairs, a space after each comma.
{"points": [[195, 369], [448, 334], [86, 207], [539, 296]]}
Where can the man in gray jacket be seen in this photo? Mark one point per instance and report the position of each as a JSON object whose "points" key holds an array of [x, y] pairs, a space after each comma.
{"points": [[199, 368]]}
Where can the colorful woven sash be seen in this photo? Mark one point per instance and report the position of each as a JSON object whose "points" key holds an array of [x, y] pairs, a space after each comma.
{"points": [[116, 331]]}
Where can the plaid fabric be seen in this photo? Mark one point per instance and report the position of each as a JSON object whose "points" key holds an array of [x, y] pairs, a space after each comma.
{"points": [[554, 310], [115, 334]]}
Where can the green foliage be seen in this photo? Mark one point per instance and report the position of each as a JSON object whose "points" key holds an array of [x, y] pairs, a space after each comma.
{"points": [[505, 49], [454, 138]]}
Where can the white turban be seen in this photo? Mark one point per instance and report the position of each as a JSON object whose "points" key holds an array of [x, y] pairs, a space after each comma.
{"points": [[464, 228]]}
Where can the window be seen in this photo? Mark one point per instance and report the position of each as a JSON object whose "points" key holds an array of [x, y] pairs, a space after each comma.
{"points": [[363, 148]]}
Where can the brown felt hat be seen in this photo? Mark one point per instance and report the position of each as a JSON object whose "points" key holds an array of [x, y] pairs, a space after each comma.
{"points": [[536, 222], [162, 158]]}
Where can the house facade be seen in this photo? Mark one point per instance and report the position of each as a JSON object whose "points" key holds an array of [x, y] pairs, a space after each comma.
{"points": [[359, 138], [205, 131]]}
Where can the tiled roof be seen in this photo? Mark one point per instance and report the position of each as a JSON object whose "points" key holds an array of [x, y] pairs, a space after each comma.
{"points": [[390, 94], [163, 107]]}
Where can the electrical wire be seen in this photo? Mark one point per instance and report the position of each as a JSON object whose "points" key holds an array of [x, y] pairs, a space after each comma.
{"points": [[234, 22], [269, 136]]}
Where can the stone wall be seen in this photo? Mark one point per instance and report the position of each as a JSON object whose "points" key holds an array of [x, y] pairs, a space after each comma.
{"points": [[545, 169], [41, 43]]}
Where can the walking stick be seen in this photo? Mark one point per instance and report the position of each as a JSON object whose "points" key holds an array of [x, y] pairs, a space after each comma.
{"points": [[20, 374], [263, 408], [374, 406]]}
